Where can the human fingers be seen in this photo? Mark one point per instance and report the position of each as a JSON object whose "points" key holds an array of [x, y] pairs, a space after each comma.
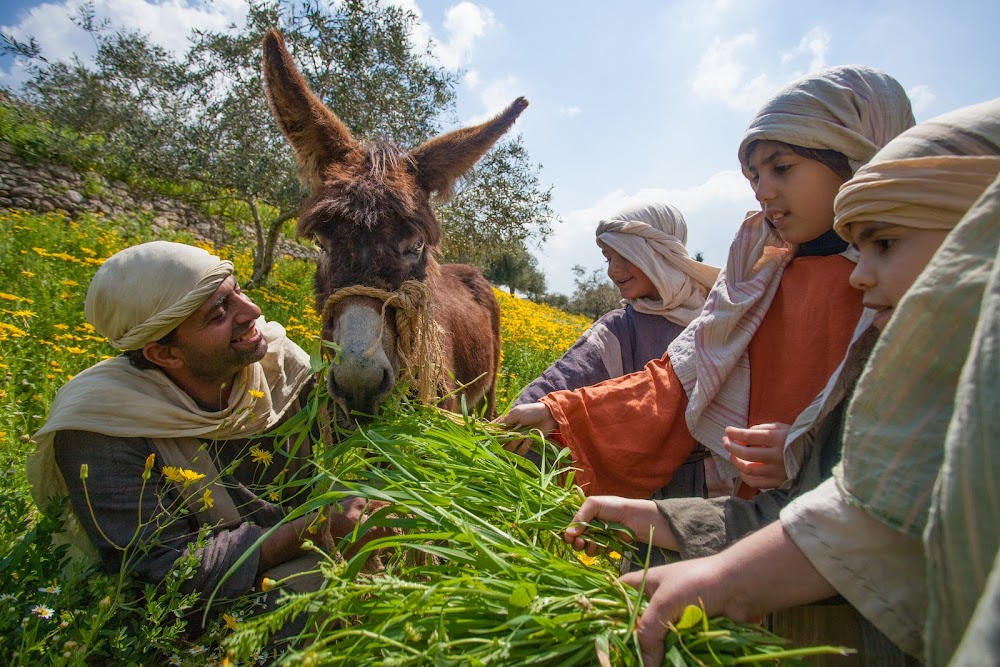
{"points": [[652, 625], [519, 446], [755, 437], [529, 415], [754, 454], [760, 475]]}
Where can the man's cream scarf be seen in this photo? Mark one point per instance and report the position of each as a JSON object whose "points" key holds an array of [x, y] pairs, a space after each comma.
{"points": [[116, 399]]}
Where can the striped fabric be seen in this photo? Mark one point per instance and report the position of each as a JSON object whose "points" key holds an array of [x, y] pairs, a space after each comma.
{"points": [[963, 533], [851, 109], [901, 411]]}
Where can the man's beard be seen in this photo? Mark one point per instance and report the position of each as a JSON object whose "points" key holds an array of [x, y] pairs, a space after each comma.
{"points": [[220, 368]]}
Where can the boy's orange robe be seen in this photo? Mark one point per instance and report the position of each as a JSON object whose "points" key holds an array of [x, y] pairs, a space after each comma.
{"points": [[628, 435]]}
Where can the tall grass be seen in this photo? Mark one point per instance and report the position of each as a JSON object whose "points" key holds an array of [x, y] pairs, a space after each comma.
{"points": [[474, 571]]}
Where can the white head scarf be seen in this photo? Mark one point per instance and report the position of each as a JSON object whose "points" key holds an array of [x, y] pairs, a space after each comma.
{"points": [[652, 236]]}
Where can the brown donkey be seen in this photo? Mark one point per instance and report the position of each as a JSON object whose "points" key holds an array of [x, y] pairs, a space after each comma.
{"points": [[392, 309]]}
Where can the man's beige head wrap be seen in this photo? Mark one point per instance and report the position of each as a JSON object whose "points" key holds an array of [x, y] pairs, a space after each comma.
{"points": [[853, 110], [652, 236], [142, 293]]}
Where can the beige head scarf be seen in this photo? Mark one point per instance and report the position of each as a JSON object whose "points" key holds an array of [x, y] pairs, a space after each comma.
{"points": [[920, 435], [652, 236], [900, 412], [138, 296], [142, 293], [851, 109]]}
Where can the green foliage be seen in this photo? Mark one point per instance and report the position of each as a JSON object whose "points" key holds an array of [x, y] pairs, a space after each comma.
{"points": [[594, 294], [198, 127], [518, 270], [475, 571]]}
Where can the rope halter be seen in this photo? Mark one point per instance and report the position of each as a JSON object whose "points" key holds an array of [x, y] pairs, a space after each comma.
{"points": [[418, 336]]}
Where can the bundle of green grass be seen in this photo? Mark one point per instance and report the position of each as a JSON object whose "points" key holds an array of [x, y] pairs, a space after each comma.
{"points": [[475, 571]]}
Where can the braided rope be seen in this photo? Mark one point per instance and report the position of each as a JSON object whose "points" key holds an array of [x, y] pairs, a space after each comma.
{"points": [[418, 335]]}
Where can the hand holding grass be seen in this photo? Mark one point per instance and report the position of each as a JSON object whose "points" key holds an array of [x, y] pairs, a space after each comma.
{"points": [[528, 417], [348, 524], [641, 517], [758, 453]]}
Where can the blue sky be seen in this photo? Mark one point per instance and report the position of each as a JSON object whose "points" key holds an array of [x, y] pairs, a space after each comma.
{"points": [[635, 99]]}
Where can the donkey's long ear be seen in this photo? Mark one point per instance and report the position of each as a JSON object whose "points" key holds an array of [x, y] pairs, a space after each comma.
{"points": [[317, 136], [442, 160]]}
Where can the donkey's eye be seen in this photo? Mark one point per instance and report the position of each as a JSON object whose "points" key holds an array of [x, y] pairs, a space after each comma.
{"points": [[416, 248]]}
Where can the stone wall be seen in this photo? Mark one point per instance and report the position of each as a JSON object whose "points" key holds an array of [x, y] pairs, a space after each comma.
{"points": [[49, 187]]}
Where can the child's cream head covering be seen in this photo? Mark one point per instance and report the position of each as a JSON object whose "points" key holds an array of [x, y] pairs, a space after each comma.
{"points": [[652, 235]]}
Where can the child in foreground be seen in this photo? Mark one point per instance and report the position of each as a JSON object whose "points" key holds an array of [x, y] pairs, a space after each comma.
{"points": [[905, 531]]}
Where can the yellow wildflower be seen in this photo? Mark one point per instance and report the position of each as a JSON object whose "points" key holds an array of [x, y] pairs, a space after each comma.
{"points": [[230, 620], [207, 500], [9, 330], [256, 394], [11, 297], [75, 350], [61, 327], [260, 456], [585, 559], [267, 584], [181, 475]]}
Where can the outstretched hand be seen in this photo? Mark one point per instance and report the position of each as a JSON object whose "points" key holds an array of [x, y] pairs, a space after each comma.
{"points": [[636, 515], [527, 416], [758, 453], [671, 588], [351, 512]]}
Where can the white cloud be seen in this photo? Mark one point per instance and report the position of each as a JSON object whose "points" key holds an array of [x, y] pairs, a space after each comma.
{"points": [[921, 98], [472, 79], [815, 44], [496, 96], [722, 76], [167, 23], [713, 211], [464, 23], [564, 110]]}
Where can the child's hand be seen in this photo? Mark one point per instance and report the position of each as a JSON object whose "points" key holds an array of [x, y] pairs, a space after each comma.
{"points": [[636, 515], [758, 453], [528, 416]]}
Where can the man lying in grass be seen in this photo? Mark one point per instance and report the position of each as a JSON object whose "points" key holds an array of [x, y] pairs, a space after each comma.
{"points": [[155, 443]]}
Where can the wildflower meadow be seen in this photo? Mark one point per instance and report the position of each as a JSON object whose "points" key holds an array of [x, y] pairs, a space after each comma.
{"points": [[474, 571]]}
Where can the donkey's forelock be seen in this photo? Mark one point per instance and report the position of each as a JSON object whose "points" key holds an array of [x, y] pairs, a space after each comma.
{"points": [[377, 187]]}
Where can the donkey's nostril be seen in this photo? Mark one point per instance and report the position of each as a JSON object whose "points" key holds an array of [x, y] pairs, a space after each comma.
{"points": [[388, 381]]}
